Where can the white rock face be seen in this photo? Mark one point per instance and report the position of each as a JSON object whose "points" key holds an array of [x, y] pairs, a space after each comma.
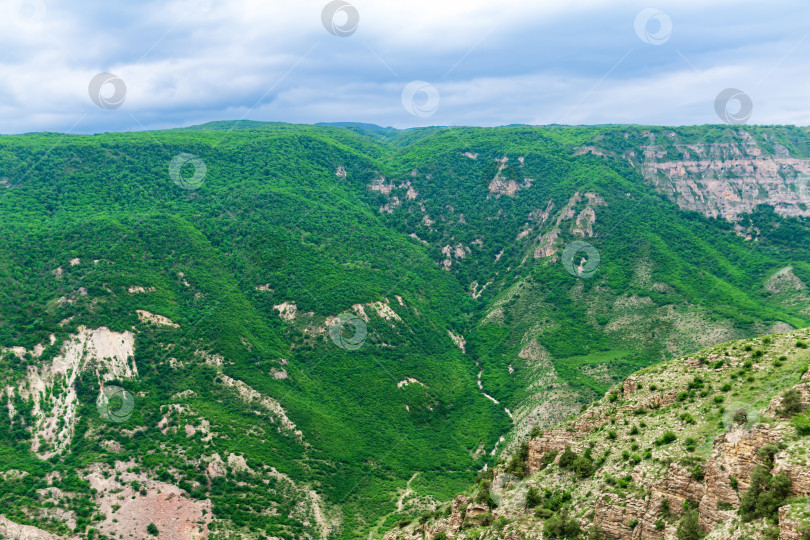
{"points": [[106, 353]]}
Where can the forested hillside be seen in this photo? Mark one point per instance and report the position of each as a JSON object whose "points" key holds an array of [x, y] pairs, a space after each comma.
{"points": [[315, 331]]}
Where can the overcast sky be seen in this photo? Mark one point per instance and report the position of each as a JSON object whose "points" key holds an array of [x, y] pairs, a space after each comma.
{"points": [[475, 62]]}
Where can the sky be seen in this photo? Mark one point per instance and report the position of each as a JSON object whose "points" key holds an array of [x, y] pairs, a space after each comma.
{"points": [[83, 66]]}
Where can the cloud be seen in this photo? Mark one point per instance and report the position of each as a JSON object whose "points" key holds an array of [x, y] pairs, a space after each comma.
{"points": [[492, 63]]}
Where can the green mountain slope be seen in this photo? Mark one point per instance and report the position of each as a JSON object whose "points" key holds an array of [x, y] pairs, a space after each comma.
{"points": [[712, 445], [218, 310]]}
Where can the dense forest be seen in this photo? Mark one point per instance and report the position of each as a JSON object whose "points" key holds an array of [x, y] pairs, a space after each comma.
{"points": [[253, 244]]}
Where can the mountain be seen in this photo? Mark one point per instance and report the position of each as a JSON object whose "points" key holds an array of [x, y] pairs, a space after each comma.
{"points": [[310, 331], [713, 444], [359, 125]]}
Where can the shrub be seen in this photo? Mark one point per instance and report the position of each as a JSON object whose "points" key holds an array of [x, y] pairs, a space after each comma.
{"points": [[791, 403], [770, 533], [596, 533], [152, 529], [726, 387], [624, 482], [766, 494], [562, 526], [667, 438], [517, 465], [802, 424], [547, 459], [533, 498], [689, 526], [634, 430], [767, 453], [543, 513], [696, 384], [488, 474], [690, 444], [567, 458], [686, 417], [484, 495], [801, 344], [583, 467]]}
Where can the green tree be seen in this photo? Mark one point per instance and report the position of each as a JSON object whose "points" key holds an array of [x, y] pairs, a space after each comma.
{"points": [[596, 533], [791, 403], [562, 526], [567, 458], [766, 494], [533, 497], [689, 526]]}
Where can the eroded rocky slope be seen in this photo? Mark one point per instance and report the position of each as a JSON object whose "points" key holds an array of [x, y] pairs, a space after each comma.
{"points": [[720, 438]]}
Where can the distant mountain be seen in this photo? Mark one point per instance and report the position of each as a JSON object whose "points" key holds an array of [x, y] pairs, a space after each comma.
{"points": [[314, 331], [360, 125]]}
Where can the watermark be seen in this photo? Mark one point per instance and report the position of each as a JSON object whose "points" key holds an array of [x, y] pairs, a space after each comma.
{"points": [[420, 99], [100, 95], [653, 26], [196, 180], [115, 404], [509, 490], [740, 415], [336, 331], [586, 264], [340, 18], [803, 189], [744, 106], [28, 12]]}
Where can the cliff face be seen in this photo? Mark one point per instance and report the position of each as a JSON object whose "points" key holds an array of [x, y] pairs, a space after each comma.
{"points": [[691, 436], [726, 179]]}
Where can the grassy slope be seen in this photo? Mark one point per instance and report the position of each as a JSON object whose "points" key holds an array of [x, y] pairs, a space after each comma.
{"points": [[624, 436]]}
